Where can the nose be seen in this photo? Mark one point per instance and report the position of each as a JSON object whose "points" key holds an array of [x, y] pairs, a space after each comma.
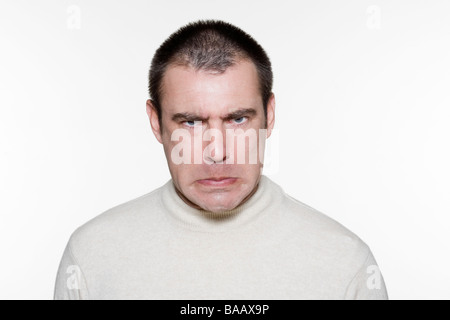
{"points": [[215, 150]]}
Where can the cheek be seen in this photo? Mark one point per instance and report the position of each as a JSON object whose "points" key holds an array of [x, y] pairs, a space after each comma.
{"points": [[253, 148]]}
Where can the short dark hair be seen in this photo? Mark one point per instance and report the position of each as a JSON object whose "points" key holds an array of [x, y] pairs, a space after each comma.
{"points": [[210, 45]]}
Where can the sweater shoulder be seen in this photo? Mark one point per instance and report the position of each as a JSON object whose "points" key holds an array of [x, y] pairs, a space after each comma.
{"points": [[324, 233], [117, 222]]}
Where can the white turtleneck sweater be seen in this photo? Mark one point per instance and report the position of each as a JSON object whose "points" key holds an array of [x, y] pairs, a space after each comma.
{"points": [[270, 247]]}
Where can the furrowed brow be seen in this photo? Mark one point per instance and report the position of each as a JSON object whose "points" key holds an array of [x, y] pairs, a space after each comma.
{"points": [[240, 113], [187, 116]]}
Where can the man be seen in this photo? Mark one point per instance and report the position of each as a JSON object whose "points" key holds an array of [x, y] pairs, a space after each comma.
{"points": [[219, 229]]}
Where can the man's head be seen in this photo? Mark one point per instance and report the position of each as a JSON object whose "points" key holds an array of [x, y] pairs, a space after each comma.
{"points": [[213, 72]]}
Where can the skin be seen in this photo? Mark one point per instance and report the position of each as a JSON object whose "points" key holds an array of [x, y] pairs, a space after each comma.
{"points": [[212, 96]]}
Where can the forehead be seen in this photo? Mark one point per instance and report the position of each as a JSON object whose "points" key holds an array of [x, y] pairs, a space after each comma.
{"points": [[188, 90]]}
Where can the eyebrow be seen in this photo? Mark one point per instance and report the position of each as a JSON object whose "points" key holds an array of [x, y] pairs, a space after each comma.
{"points": [[188, 116]]}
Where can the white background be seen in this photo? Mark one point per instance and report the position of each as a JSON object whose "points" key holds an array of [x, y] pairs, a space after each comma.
{"points": [[363, 113]]}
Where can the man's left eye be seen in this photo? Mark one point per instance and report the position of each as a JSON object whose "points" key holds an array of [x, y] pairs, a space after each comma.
{"points": [[240, 120]]}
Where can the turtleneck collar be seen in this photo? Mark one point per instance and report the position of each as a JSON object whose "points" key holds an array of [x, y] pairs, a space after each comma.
{"points": [[267, 196]]}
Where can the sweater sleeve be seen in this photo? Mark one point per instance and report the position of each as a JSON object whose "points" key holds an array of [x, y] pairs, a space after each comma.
{"points": [[70, 280], [368, 283]]}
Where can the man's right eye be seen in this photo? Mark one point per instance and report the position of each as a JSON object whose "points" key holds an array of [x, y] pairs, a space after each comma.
{"points": [[192, 123]]}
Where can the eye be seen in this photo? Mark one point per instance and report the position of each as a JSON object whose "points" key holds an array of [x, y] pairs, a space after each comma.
{"points": [[240, 120], [192, 124]]}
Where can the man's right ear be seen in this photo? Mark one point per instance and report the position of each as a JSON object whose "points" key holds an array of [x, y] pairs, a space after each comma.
{"points": [[154, 121]]}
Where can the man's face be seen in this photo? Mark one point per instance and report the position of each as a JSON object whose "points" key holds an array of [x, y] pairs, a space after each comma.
{"points": [[209, 111]]}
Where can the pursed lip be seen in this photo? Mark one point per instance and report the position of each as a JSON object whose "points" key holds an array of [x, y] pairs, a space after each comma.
{"points": [[218, 178], [217, 181]]}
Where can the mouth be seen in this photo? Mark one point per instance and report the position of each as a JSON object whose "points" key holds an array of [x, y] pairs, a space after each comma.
{"points": [[217, 181]]}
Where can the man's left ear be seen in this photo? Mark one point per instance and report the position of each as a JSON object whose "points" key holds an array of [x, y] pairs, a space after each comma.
{"points": [[270, 114]]}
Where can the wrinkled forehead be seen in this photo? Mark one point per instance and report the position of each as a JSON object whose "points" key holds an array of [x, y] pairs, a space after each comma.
{"points": [[209, 93]]}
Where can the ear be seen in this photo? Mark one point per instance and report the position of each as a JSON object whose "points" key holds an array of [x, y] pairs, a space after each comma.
{"points": [[154, 122], [270, 114]]}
